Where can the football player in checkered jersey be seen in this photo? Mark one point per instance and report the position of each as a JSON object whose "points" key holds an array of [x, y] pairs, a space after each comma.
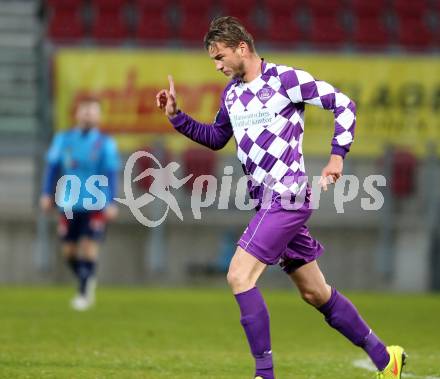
{"points": [[263, 108], [82, 151]]}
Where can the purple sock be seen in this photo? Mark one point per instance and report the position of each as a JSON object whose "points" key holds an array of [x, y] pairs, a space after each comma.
{"points": [[255, 321], [342, 315]]}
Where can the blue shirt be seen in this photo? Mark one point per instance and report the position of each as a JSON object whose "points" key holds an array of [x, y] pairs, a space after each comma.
{"points": [[82, 153]]}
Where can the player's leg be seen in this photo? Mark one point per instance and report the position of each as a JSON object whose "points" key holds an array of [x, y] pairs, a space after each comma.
{"points": [[93, 226], [70, 255], [262, 243], [244, 271], [339, 312], [68, 232], [87, 268], [86, 275]]}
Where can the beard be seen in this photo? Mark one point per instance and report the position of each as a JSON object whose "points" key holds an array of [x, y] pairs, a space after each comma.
{"points": [[239, 72]]}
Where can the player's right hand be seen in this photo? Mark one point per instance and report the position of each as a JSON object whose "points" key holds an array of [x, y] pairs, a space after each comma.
{"points": [[166, 99], [111, 212], [46, 203]]}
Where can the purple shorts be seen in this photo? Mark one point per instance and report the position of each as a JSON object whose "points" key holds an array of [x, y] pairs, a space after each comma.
{"points": [[277, 235]]}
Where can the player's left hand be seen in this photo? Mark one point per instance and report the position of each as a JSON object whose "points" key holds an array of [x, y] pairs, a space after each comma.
{"points": [[111, 212], [332, 172]]}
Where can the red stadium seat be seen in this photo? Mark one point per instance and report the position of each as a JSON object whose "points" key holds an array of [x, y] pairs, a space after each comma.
{"points": [[240, 9], [202, 6], [193, 28], [283, 29], [368, 9], [198, 161], [404, 171], [109, 24], [370, 33], [65, 22], [281, 6], [195, 20], [282, 25], [325, 8], [152, 21], [369, 30], [244, 10], [327, 31], [109, 4], [436, 31], [57, 4], [410, 9], [414, 34], [109, 27], [325, 28]]}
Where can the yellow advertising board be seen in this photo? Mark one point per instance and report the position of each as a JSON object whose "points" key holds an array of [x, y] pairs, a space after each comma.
{"points": [[398, 97]]}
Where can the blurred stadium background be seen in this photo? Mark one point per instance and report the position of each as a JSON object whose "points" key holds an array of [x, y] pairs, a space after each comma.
{"points": [[383, 53]]}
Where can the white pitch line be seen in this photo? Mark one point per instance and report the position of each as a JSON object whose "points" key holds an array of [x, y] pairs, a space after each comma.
{"points": [[367, 365]]}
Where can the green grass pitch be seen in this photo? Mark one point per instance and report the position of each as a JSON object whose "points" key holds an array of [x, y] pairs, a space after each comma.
{"points": [[191, 334]]}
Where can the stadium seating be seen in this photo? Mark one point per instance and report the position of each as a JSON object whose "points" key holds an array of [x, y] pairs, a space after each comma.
{"points": [[414, 34], [109, 23], [195, 18], [326, 31], [410, 9], [282, 21], [370, 33], [412, 28], [371, 8], [65, 20], [326, 8], [372, 24], [152, 21], [244, 10], [435, 11], [325, 26], [404, 171], [369, 29], [284, 29]]}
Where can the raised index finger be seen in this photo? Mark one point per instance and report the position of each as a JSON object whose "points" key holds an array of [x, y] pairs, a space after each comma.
{"points": [[172, 90]]}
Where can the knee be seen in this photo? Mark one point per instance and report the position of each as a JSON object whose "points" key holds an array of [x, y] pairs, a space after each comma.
{"points": [[90, 256], [90, 250], [238, 281], [315, 297], [69, 252]]}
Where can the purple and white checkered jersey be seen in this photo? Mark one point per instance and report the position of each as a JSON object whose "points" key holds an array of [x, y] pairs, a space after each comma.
{"points": [[266, 117]]}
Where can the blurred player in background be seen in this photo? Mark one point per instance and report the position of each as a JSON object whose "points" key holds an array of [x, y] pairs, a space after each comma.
{"points": [[82, 151], [263, 108]]}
